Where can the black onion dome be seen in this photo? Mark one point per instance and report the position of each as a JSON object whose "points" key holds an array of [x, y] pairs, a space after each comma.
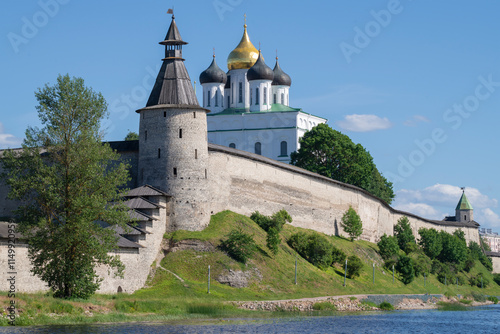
{"points": [[213, 74], [260, 71], [280, 77]]}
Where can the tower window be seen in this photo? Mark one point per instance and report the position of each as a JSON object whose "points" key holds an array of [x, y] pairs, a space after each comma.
{"points": [[265, 95], [258, 148], [232, 145], [196, 153], [240, 94], [180, 133], [465, 217], [175, 171], [216, 98], [274, 99], [282, 98], [145, 135], [283, 148], [159, 153], [164, 114], [208, 99], [256, 96], [194, 114]]}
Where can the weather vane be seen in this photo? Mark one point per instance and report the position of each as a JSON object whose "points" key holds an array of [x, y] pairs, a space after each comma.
{"points": [[245, 15]]}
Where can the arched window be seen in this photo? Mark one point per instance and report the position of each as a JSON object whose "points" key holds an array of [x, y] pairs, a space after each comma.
{"points": [[208, 99], [232, 145], [258, 148], [283, 148], [216, 98], [274, 99], [228, 101], [282, 98], [240, 94], [251, 96], [257, 96], [265, 95]]}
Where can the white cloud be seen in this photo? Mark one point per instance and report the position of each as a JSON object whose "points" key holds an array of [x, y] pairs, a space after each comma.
{"points": [[421, 209], [7, 140], [415, 120], [364, 123], [487, 217]]}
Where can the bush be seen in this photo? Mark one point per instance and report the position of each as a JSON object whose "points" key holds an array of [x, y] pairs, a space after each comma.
{"points": [[298, 242], [351, 223], [320, 306], [421, 263], [354, 266], [404, 234], [454, 249], [313, 247], [338, 256], [405, 268], [386, 306], [239, 245], [273, 240], [446, 275], [388, 247], [493, 299], [496, 278], [479, 280], [478, 296], [273, 226], [469, 263]]}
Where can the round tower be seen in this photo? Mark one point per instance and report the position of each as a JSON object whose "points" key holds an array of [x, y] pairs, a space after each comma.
{"points": [[173, 148], [464, 212]]}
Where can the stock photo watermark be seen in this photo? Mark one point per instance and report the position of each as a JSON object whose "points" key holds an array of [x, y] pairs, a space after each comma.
{"points": [[31, 25], [454, 117], [11, 274], [364, 36], [223, 6]]}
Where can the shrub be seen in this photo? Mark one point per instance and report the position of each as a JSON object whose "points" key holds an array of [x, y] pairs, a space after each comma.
{"points": [[388, 247], [496, 278], [469, 263], [421, 263], [478, 297], [354, 266], [338, 256], [313, 247], [454, 249], [273, 240], [386, 306], [239, 245], [466, 301], [273, 226], [351, 223], [261, 220], [405, 268], [298, 242], [446, 275], [479, 280], [493, 299], [320, 306]]}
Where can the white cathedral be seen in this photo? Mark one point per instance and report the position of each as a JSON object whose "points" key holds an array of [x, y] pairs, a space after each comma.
{"points": [[250, 105]]}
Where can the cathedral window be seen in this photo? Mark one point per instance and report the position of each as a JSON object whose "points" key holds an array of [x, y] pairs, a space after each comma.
{"points": [[258, 148], [282, 98], [208, 99], [265, 95], [274, 99], [283, 148], [164, 114], [232, 93], [232, 145], [240, 94], [256, 96], [216, 98], [228, 102]]}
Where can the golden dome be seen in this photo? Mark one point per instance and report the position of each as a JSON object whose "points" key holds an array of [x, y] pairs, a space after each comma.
{"points": [[245, 54]]}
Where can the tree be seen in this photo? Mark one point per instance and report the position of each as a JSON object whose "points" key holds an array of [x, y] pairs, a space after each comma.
{"points": [[132, 136], [239, 245], [332, 154], [351, 223], [404, 234], [431, 243], [273, 226], [454, 249], [313, 247], [405, 268], [354, 266], [388, 247], [67, 179]]}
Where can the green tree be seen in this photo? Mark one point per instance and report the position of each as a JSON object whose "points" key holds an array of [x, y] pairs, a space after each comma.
{"points": [[404, 234], [430, 241], [132, 136], [273, 226], [388, 247], [406, 269], [313, 247], [332, 154], [354, 266], [351, 223], [66, 177], [239, 245], [454, 249]]}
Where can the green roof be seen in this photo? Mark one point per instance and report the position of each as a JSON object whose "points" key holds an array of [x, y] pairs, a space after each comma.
{"points": [[276, 107], [463, 204]]}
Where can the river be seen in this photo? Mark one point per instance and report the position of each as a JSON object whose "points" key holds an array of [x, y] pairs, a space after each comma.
{"points": [[483, 319]]}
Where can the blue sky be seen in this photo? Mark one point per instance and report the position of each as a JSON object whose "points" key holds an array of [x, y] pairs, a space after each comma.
{"points": [[415, 82]]}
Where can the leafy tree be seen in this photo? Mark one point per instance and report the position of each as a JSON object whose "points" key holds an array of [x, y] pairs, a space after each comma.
{"points": [[406, 269], [273, 226], [338, 256], [388, 246], [476, 253], [273, 240], [66, 177], [421, 263], [485, 244], [431, 243], [351, 223], [313, 247], [354, 266], [454, 249], [132, 136], [332, 154], [404, 234], [239, 245]]}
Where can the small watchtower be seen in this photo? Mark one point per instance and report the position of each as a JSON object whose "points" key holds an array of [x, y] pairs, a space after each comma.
{"points": [[464, 211]]}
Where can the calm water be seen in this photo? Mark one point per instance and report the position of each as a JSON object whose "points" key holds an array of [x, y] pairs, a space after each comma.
{"points": [[475, 320]]}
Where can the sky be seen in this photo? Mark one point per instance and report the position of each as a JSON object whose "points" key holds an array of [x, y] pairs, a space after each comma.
{"points": [[417, 83]]}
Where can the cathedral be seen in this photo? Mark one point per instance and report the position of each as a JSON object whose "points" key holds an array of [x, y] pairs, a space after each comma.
{"points": [[250, 105]]}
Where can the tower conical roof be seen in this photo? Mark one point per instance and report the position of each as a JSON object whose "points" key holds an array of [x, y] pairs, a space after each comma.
{"points": [[260, 71], [463, 204], [244, 55], [213, 74], [173, 36], [280, 77]]}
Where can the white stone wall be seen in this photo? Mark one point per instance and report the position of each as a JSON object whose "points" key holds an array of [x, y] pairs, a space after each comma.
{"points": [[496, 264], [246, 185]]}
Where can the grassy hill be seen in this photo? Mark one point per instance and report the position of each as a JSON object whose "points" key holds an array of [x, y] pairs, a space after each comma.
{"points": [[178, 290]]}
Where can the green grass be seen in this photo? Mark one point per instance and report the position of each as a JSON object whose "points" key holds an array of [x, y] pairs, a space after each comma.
{"points": [[167, 298], [321, 306], [386, 306], [443, 306]]}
